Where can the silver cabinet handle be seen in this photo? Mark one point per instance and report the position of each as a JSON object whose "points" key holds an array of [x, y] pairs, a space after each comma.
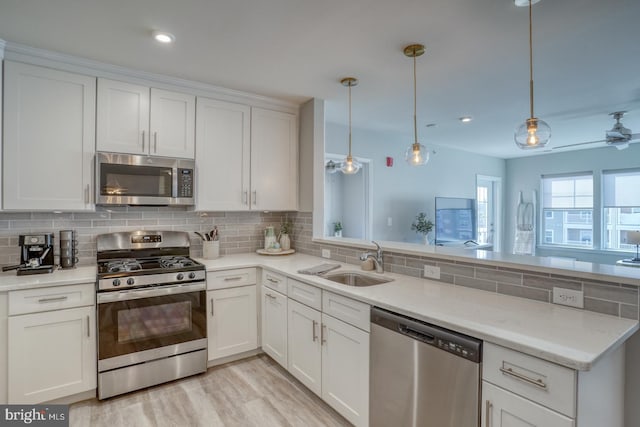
{"points": [[272, 280], [255, 197], [88, 327], [271, 296], [313, 333], [323, 338], [245, 194], [143, 141], [155, 142], [232, 279], [211, 307], [55, 299], [516, 375], [87, 194], [488, 409]]}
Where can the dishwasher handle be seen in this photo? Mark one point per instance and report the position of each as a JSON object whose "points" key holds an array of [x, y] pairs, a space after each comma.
{"points": [[415, 334]]}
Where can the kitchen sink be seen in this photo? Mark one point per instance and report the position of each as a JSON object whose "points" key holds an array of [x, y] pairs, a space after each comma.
{"points": [[356, 279]]}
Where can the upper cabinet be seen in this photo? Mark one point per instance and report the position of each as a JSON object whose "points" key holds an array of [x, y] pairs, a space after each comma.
{"points": [[49, 138], [247, 158], [141, 120]]}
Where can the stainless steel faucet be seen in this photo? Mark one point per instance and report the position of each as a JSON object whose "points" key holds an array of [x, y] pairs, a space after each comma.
{"points": [[377, 258]]}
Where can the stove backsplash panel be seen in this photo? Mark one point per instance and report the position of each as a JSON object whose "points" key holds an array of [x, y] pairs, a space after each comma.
{"points": [[239, 231]]}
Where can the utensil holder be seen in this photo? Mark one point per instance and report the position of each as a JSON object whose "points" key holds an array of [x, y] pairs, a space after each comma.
{"points": [[211, 249]]}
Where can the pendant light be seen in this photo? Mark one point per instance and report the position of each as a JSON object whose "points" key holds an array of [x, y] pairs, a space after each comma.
{"points": [[533, 133], [416, 154], [350, 166]]}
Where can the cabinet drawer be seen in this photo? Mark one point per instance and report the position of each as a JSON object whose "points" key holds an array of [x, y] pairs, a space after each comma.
{"points": [[353, 312], [305, 294], [231, 278], [275, 281], [53, 298], [546, 383]]}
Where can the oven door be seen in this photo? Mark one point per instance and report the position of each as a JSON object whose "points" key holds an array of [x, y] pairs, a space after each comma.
{"points": [[139, 325]]}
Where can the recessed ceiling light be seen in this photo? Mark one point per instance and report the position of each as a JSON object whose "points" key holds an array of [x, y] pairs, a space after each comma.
{"points": [[465, 119], [163, 37]]}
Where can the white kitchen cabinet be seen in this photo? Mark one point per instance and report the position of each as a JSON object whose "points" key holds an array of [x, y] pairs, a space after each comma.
{"points": [[247, 158], [137, 119], [274, 325], [223, 167], [345, 369], [232, 325], [304, 345], [49, 138], [51, 354], [4, 310], [505, 409], [274, 160]]}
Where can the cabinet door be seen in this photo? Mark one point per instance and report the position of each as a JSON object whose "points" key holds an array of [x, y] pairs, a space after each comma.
{"points": [[233, 321], [172, 124], [122, 117], [51, 355], [274, 325], [274, 160], [223, 156], [345, 369], [304, 345], [49, 138], [501, 408]]}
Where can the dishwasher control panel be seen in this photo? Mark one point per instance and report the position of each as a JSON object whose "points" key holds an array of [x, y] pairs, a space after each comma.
{"points": [[461, 350]]}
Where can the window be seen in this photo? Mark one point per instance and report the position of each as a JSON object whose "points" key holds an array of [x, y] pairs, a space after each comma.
{"points": [[567, 204], [621, 201]]}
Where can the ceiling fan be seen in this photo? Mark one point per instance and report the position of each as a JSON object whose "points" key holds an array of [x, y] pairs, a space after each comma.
{"points": [[619, 136]]}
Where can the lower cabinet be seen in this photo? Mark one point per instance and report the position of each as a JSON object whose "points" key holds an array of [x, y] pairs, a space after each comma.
{"points": [[274, 325], [232, 325], [505, 409], [305, 351], [51, 355]]}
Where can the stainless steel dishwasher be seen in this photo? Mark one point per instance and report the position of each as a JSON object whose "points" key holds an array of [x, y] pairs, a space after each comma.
{"points": [[421, 374]]}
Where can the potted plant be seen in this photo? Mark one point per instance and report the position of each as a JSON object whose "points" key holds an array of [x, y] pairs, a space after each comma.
{"points": [[337, 229], [285, 230], [423, 226]]}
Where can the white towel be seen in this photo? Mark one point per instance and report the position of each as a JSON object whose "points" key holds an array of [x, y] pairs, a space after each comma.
{"points": [[523, 243]]}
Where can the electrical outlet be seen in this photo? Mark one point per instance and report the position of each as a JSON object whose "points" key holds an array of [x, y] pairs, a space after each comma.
{"points": [[568, 297], [431, 272], [326, 253]]}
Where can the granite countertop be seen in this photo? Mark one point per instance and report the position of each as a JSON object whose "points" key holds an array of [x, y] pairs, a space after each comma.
{"points": [[570, 337]]}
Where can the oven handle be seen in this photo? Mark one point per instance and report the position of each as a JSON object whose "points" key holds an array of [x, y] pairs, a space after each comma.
{"points": [[158, 291]]}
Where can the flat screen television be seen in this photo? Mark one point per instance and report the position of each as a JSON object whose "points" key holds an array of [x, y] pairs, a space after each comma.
{"points": [[455, 220]]}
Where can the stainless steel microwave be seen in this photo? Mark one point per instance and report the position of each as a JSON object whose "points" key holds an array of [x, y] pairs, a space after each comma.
{"points": [[128, 179]]}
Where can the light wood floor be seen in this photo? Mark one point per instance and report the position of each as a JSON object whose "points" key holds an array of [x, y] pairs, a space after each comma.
{"points": [[251, 392]]}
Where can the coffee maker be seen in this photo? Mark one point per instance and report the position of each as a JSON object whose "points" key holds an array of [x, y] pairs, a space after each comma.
{"points": [[36, 254]]}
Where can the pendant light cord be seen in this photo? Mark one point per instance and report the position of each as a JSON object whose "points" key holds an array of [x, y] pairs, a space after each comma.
{"points": [[415, 101], [350, 83], [530, 62]]}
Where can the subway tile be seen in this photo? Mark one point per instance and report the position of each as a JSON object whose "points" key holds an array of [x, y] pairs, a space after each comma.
{"points": [[600, 306], [418, 263], [499, 276], [524, 292], [413, 272], [456, 270], [469, 282], [447, 278], [617, 294], [629, 311], [547, 282]]}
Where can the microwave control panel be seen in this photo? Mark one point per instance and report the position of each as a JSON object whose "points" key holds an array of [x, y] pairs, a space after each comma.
{"points": [[185, 182]]}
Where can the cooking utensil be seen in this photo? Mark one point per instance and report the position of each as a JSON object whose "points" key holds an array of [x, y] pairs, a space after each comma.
{"points": [[202, 236]]}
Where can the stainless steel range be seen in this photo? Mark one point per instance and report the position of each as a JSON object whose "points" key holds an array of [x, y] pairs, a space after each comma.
{"points": [[152, 323]]}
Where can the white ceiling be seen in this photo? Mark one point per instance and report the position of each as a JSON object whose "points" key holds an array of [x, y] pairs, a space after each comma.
{"points": [[586, 57]]}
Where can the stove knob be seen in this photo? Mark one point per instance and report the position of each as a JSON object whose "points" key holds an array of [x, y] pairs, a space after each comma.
{"points": [[130, 281], [116, 282], [192, 275], [180, 276]]}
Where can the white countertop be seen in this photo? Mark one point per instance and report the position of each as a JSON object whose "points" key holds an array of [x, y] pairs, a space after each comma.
{"points": [[570, 337]]}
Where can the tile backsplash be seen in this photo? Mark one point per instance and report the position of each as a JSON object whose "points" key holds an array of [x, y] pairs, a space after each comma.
{"points": [[242, 232], [603, 297], [239, 231]]}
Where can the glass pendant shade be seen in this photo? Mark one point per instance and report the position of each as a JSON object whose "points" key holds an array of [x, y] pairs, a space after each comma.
{"points": [[416, 155], [533, 133], [332, 167], [350, 166]]}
